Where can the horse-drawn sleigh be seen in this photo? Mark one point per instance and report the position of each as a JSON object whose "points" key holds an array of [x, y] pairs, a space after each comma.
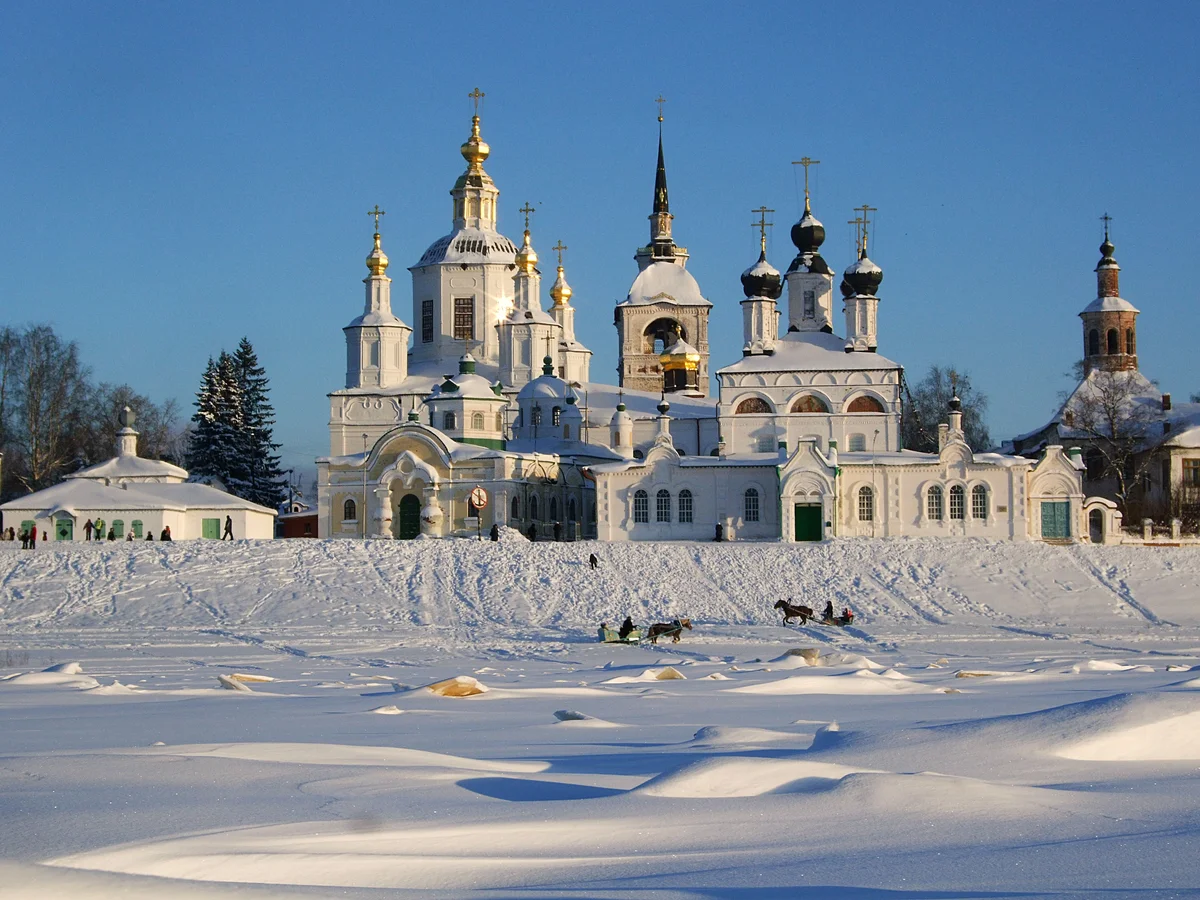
{"points": [[629, 634], [805, 614]]}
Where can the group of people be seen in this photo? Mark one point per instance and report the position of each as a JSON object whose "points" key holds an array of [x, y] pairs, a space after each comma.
{"points": [[94, 531], [623, 632], [28, 537], [828, 615]]}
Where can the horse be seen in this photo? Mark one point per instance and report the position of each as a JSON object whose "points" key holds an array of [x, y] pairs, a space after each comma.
{"points": [[673, 629], [803, 613]]}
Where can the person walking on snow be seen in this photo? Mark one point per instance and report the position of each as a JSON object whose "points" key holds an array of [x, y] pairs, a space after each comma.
{"points": [[228, 535], [593, 561], [129, 535], [495, 533], [166, 533], [87, 530], [112, 533], [33, 538]]}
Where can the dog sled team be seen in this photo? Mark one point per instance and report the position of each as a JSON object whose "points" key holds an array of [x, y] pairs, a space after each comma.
{"points": [[805, 614]]}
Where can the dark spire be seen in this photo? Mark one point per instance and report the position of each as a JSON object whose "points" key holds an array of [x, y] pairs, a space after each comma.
{"points": [[661, 244], [661, 205]]}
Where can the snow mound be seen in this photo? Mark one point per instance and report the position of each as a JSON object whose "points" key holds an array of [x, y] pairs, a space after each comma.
{"points": [[67, 668], [386, 710], [727, 735], [576, 719], [1177, 737], [945, 797], [1108, 665], [115, 689], [232, 684], [725, 777], [53, 679], [715, 676], [669, 673], [459, 686], [347, 755], [848, 660], [861, 681], [250, 679]]}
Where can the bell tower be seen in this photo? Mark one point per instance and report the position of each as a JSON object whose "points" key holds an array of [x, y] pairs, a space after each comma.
{"points": [[1109, 322]]}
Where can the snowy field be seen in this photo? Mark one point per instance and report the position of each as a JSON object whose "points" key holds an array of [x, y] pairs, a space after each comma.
{"points": [[253, 720]]}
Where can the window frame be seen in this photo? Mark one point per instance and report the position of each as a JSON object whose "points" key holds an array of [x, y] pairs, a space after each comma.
{"points": [[662, 506], [751, 508], [350, 505], [641, 508], [685, 507], [958, 503], [426, 321], [979, 502], [866, 503], [464, 318], [935, 503]]}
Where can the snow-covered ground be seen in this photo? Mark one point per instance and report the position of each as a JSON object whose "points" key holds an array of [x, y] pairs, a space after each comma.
{"points": [[1001, 720]]}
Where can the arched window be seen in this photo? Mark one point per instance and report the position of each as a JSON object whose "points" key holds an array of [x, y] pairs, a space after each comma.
{"points": [[533, 508], [809, 403], [349, 511], [856, 443], [685, 507], [516, 508], [979, 502], [1129, 347], [449, 423], [477, 421], [866, 504], [865, 404], [1114, 342], [571, 517], [933, 504], [556, 415], [662, 506], [553, 509], [753, 405], [537, 415], [751, 499], [500, 422], [641, 507], [1093, 343], [958, 502]]}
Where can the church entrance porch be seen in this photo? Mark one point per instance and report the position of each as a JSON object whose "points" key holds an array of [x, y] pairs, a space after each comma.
{"points": [[808, 522], [1056, 519], [408, 518]]}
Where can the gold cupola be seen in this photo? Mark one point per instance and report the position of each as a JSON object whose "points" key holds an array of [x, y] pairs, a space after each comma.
{"points": [[475, 150], [527, 257], [560, 291], [377, 261]]}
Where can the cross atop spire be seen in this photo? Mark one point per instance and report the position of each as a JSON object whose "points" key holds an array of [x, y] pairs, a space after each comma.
{"points": [[527, 209], [861, 225], [660, 100], [477, 95], [376, 212], [1106, 218], [560, 247], [806, 161], [762, 224]]}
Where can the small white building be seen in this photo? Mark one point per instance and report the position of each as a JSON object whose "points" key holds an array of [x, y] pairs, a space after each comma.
{"points": [[128, 494]]}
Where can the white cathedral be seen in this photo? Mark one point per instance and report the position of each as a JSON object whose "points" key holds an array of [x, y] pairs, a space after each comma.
{"points": [[802, 442]]}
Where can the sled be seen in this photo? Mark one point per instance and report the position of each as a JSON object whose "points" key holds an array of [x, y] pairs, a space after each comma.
{"points": [[612, 636], [836, 621]]}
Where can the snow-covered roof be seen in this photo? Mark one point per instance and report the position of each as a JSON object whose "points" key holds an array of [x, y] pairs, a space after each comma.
{"points": [[470, 387], [377, 319], [1109, 304], [665, 282], [473, 246], [809, 351], [535, 316], [131, 467], [83, 495]]}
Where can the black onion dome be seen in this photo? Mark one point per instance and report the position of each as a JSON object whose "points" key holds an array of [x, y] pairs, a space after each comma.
{"points": [[1106, 250], [808, 234], [864, 277], [762, 279]]}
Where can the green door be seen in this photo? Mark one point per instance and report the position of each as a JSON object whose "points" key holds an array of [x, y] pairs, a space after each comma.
{"points": [[210, 528], [64, 530], [1056, 519], [410, 517], [808, 522]]}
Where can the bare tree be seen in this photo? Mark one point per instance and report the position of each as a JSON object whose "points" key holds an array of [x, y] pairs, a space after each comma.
{"points": [[927, 406], [1120, 416]]}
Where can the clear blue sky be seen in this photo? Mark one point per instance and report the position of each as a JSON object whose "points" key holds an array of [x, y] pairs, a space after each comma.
{"points": [[174, 176]]}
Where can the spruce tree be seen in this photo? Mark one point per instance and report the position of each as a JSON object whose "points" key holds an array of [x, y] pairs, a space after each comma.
{"points": [[203, 450], [260, 480]]}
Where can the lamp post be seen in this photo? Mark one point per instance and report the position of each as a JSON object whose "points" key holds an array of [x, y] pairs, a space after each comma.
{"points": [[874, 495], [363, 514]]}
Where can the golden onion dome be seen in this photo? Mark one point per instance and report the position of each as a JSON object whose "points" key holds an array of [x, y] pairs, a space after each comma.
{"points": [[560, 291], [377, 261], [680, 355], [527, 257], [475, 150]]}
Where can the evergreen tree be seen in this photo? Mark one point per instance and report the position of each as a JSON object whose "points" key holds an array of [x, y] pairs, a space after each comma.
{"points": [[257, 472], [204, 457]]}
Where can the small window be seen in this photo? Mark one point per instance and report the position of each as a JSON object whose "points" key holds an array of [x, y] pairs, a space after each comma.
{"points": [[933, 504], [449, 422], [553, 509], [464, 318], [751, 504], [765, 444], [556, 415], [641, 507], [856, 443], [685, 507], [537, 415], [662, 506], [865, 404], [137, 528], [979, 502], [349, 511], [571, 517], [500, 422], [515, 508], [426, 321], [753, 406], [810, 304], [1093, 343], [477, 421], [533, 509], [1114, 342], [866, 504], [373, 354], [1191, 472], [1129, 341], [958, 502]]}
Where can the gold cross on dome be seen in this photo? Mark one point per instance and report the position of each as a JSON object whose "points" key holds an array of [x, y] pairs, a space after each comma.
{"points": [[1106, 218], [376, 212], [559, 247], [762, 224], [527, 209], [660, 101], [806, 161], [477, 95], [865, 221]]}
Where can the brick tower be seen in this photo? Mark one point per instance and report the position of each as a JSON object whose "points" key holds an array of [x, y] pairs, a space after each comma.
{"points": [[1109, 322]]}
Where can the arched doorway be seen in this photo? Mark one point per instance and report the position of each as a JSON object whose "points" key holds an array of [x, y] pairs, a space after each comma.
{"points": [[409, 520], [1096, 526]]}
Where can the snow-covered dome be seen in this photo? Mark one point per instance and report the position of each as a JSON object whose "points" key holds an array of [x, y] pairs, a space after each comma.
{"points": [[665, 282], [466, 385], [620, 415], [546, 386], [473, 246], [808, 234], [864, 277], [762, 279]]}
